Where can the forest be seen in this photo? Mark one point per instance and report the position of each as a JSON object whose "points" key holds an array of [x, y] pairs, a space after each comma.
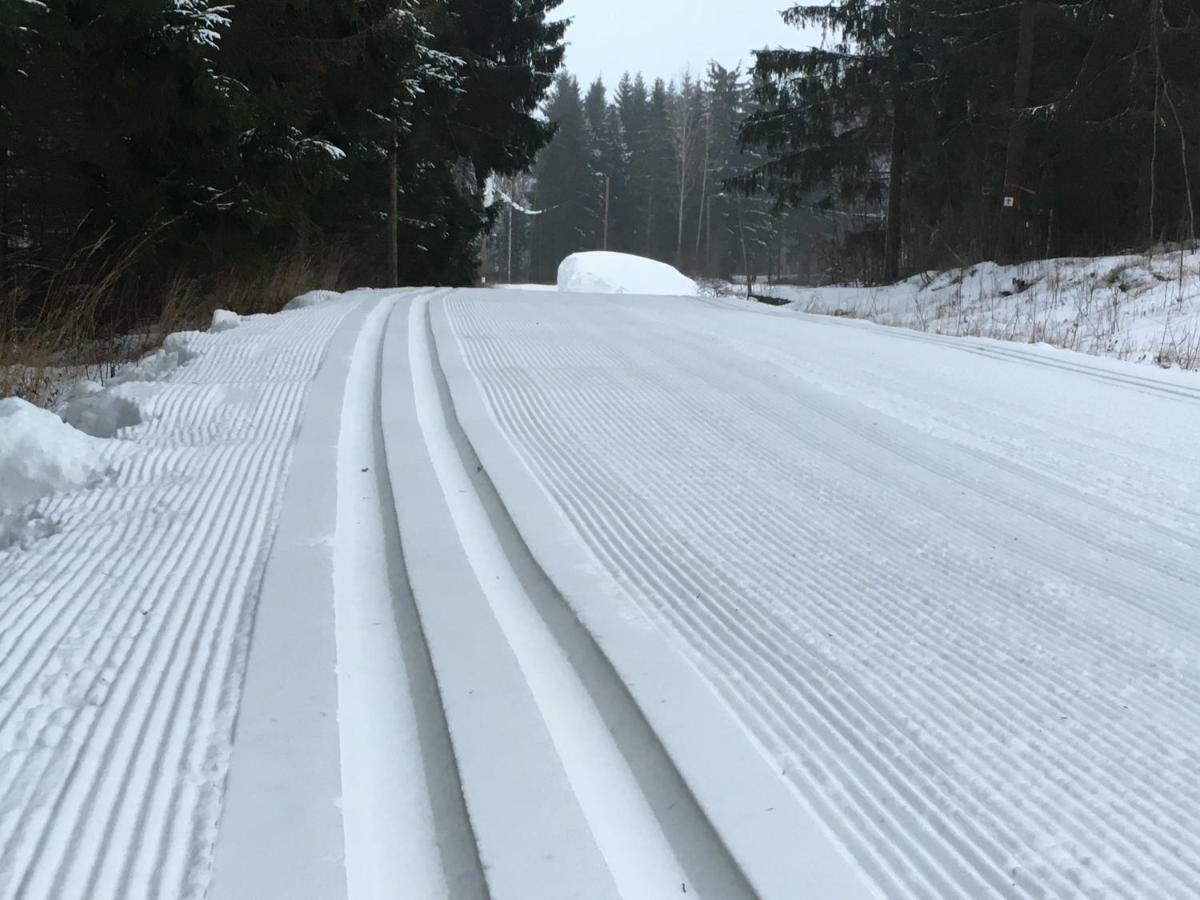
{"points": [[919, 134], [154, 153], [159, 153]]}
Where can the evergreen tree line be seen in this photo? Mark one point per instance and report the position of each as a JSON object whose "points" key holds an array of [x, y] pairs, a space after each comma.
{"points": [[919, 134], [645, 171], [184, 137], [984, 129]]}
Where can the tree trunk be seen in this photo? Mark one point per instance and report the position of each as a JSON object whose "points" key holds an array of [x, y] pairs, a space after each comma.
{"points": [[512, 192], [607, 198], [683, 164], [745, 253], [683, 142], [1151, 236], [1012, 218], [895, 209], [4, 177], [393, 216], [704, 181]]}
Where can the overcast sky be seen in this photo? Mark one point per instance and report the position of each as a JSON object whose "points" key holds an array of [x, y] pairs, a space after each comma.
{"points": [[663, 37]]}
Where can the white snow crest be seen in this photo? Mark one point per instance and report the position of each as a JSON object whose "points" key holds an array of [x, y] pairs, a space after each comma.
{"points": [[305, 301], [101, 412], [41, 455], [224, 320]]}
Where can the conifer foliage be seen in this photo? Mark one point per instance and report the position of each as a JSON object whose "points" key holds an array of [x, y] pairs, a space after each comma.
{"points": [[644, 170], [981, 129], [222, 134]]}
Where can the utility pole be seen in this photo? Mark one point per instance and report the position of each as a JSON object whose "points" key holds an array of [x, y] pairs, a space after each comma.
{"points": [[1012, 219], [393, 212], [895, 207], [708, 238], [510, 231], [607, 191]]}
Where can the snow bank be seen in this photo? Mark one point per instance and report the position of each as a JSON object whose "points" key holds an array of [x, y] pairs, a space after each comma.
{"points": [[41, 455], [312, 298], [601, 272], [1144, 308], [224, 320], [98, 411], [175, 351]]}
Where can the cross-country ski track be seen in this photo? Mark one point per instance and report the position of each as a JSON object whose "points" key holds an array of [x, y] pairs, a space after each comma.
{"points": [[442, 594]]}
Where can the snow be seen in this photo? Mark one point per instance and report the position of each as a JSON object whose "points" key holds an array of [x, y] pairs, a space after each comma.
{"points": [[21, 529], [491, 191], [99, 411], [305, 301], [949, 585], [40, 455], [600, 272], [628, 596], [125, 613], [176, 351], [1135, 307], [224, 320]]}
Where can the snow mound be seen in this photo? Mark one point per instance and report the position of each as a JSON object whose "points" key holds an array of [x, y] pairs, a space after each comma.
{"points": [[176, 351], [41, 455], [98, 411], [312, 298], [20, 529], [224, 320], [601, 272]]}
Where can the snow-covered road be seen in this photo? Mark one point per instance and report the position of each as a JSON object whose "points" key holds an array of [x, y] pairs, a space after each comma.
{"points": [[529, 595]]}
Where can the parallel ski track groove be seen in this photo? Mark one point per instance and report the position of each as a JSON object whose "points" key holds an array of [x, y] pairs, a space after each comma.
{"points": [[1033, 430], [149, 698], [859, 472], [706, 861], [492, 354], [691, 584], [1064, 491], [976, 346], [694, 585], [1028, 505], [1186, 711]]}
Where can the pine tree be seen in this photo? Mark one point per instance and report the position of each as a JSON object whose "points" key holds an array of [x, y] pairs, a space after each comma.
{"points": [[830, 114], [662, 187], [632, 213], [609, 160], [481, 123], [566, 183]]}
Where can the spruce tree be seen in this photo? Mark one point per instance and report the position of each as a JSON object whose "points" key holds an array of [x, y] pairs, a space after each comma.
{"points": [[633, 214], [566, 183]]}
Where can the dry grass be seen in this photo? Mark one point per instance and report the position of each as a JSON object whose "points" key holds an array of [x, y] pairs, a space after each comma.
{"points": [[76, 332]]}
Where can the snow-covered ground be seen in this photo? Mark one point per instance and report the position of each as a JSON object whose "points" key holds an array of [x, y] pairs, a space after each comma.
{"points": [[1141, 308], [451, 594]]}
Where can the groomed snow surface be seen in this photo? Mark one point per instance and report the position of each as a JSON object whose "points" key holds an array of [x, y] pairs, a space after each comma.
{"points": [[602, 272], [466, 594]]}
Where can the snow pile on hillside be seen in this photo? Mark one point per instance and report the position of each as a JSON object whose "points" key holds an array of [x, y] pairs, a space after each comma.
{"points": [[1142, 308], [41, 455], [601, 272]]}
